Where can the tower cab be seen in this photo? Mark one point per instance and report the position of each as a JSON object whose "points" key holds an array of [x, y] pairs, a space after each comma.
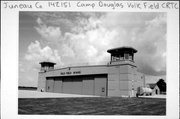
{"points": [[122, 54], [46, 66]]}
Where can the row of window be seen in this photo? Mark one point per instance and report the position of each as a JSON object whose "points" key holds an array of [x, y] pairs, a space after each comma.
{"points": [[47, 68], [121, 57]]}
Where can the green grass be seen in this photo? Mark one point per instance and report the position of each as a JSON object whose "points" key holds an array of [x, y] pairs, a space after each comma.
{"points": [[92, 106]]}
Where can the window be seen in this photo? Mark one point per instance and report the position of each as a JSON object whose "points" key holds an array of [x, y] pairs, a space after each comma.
{"points": [[126, 56], [121, 57], [115, 58], [130, 57]]}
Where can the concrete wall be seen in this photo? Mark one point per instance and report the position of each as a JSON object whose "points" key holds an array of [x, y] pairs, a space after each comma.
{"points": [[123, 79], [41, 82], [81, 70], [119, 80], [113, 80]]}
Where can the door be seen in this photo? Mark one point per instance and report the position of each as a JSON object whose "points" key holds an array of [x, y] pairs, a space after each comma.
{"points": [[77, 85], [58, 85], [49, 85], [88, 86], [100, 86], [67, 85]]}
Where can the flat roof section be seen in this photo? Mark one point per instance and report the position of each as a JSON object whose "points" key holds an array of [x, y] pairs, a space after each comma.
{"points": [[47, 63], [121, 49]]}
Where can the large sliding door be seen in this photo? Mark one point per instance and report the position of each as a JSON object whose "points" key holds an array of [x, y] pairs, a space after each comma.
{"points": [[100, 86], [77, 86], [72, 85], [67, 85], [58, 85], [49, 85], [88, 86]]}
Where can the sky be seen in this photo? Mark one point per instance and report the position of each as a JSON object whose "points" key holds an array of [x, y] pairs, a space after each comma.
{"points": [[83, 38]]}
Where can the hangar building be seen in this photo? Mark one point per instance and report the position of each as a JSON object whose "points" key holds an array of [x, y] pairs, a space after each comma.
{"points": [[118, 78]]}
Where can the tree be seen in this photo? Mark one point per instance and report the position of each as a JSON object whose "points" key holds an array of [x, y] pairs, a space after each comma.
{"points": [[162, 85]]}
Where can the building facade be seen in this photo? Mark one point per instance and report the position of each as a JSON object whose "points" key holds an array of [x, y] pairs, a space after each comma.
{"points": [[118, 78]]}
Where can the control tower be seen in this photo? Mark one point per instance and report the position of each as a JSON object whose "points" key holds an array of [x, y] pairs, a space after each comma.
{"points": [[46, 66], [122, 54], [122, 72]]}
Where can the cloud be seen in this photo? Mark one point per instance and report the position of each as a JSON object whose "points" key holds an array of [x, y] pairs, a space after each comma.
{"points": [[89, 45], [50, 33], [86, 42], [37, 54], [153, 46], [85, 38], [144, 31]]}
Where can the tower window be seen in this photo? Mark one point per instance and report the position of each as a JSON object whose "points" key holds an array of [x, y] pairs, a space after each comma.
{"points": [[130, 57], [126, 56], [121, 57]]}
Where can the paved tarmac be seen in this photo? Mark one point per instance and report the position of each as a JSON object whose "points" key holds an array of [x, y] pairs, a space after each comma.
{"points": [[154, 96], [36, 94]]}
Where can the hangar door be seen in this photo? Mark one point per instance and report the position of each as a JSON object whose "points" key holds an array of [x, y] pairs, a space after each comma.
{"points": [[72, 85], [49, 85], [77, 86], [100, 86], [88, 86], [58, 85]]}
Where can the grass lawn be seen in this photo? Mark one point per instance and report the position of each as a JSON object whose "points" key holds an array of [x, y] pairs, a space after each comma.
{"points": [[92, 106]]}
